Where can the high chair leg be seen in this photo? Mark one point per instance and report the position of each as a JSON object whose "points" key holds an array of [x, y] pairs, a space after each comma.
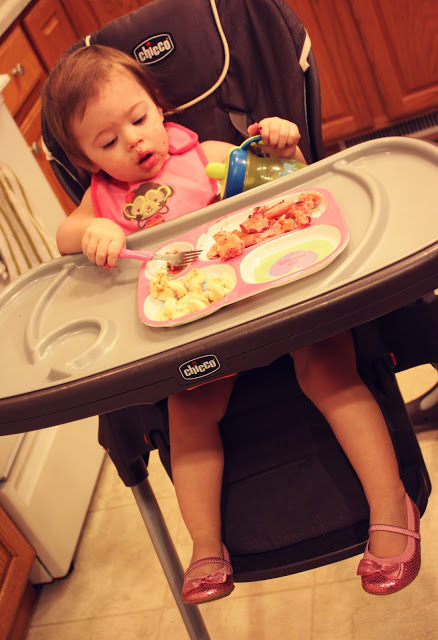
{"points": [[165, 550], [423, 411]]}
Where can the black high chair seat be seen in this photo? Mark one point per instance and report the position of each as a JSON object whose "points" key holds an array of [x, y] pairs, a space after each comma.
{"points": [[291, 500], [239, 70]]}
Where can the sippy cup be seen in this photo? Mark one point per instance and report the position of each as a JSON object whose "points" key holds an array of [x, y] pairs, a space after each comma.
{"points": [[242, 170]]}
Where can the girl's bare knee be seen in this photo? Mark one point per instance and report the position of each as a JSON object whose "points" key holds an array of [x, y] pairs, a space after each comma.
{"points": [[209, 401], [326, 367]]}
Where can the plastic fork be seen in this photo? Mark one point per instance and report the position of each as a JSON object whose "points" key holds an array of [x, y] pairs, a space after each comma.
{"points": [[178, 259]]}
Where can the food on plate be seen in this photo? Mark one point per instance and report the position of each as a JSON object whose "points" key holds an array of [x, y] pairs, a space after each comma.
{"points": [[162, 288], [265, 222], [195, 291], [228, 245], [173, 269], [310, 196]]}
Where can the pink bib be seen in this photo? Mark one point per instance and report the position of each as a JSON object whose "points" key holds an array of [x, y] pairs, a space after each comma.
{"points": [[181, 186]]}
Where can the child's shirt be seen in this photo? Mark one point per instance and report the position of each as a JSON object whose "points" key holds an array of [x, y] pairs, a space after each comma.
{"points": [[181, 186]]}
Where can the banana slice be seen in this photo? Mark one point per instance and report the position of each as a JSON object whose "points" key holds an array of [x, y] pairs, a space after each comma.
{"points": [[160, 286], [189, 294], [168, 309], [195, 305], [178, 287]]}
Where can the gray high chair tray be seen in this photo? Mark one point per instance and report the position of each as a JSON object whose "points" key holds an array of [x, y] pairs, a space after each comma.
{"points": [[73, 344]]}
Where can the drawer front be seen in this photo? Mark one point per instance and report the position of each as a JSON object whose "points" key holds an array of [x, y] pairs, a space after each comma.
{"points": [[50, 30], [19, 61], [31, 126], [16, 559]]}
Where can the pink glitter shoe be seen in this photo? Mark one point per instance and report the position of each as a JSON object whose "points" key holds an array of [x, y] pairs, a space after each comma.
{"points": [[211, 586], [381, 576]]}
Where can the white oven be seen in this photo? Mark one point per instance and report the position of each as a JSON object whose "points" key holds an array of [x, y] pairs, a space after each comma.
{"points": [[47, 477]]}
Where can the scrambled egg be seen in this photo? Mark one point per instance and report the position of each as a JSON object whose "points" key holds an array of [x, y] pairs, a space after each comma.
{"points": [[193, 292]]}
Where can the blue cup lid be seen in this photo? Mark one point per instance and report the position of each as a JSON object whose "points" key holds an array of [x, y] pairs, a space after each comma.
{"points": [[232, 173], [236, 173]]}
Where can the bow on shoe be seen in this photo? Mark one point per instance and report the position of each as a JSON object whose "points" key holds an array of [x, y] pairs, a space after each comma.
{"points": [[390, 570], [218, 577]]}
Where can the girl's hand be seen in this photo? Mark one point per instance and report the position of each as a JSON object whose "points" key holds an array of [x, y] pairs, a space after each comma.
{"points": [[280, 136], [102, 242]]}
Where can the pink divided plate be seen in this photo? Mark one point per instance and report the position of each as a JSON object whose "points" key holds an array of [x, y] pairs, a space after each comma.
{"points": [[271, 263]]}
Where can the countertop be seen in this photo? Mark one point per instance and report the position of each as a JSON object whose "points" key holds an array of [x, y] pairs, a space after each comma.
{"points": [[4, 79], [9, 10]]}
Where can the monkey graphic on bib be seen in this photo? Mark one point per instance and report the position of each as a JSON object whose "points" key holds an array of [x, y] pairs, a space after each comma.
{"points": [[144, 204]]}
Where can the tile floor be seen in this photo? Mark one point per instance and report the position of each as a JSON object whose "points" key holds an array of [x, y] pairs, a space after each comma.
{"points": [[117, 590]]}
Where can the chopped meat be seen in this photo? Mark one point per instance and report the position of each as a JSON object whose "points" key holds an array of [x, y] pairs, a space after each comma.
{"points": [[227, 246], [231, 247], [255, 223], [264, 223], [213, 252], [274, 230], [299, 207], [279, 209], [313, 198], [288, 224], [303, 219], [248, 238]]}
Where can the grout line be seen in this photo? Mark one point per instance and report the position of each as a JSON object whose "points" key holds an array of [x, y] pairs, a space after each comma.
{"points": [[104, 616], [312, 606], [111, 507]]}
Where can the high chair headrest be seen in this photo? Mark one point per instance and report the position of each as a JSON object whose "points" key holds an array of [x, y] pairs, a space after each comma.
{"points": [[223, 63]]}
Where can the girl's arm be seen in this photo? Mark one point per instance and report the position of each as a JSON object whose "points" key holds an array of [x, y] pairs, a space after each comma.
{"points": [[216, 151], [101, 240], [280, 136]]}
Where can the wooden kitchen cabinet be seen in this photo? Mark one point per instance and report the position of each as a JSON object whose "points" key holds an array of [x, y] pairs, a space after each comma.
{"points": [[16, 559], [377, 61], [27, 52], [401, 41], [20, 62], [344, 74], [89, 15], [49, 30], [31, 130]]}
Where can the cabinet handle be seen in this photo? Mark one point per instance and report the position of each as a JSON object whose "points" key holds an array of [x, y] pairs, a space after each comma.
{"points": [[35, 148], [18, 70]]}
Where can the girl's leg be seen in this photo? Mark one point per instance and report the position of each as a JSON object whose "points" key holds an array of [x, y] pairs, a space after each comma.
{"points": [[197, 464], [327, 374]]}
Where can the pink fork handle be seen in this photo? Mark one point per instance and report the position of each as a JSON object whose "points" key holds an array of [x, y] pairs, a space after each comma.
{"points": [[145, 256]]}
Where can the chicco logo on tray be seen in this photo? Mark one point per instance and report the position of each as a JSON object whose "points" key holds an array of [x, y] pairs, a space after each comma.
{"points": [[154, 49], [199, 367]]}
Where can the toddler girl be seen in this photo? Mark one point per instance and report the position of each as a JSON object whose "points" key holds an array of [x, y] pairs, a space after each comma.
{"points": [[107, 114]]}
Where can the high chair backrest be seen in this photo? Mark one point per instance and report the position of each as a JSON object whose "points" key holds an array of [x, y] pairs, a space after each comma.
{"points": [[222, 63]]}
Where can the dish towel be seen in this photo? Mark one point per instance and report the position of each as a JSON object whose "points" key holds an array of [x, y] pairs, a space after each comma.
{"points": [[23, 241]]}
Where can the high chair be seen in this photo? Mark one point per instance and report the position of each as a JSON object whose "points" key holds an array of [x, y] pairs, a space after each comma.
{"points": [[291, 500]]}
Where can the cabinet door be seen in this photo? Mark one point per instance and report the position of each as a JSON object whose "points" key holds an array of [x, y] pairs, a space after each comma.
{"points": [[31, 130], [88, 15], [111, 9], [50, 30], [82, 16], [401, 41], [16, 558], [347, 84], [19, 61]]}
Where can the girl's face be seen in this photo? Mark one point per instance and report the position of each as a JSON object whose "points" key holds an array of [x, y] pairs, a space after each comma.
{"points": [[122, 131]]}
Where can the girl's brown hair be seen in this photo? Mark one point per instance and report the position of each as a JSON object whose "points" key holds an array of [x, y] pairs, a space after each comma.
{"points": [[76, 80]]}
